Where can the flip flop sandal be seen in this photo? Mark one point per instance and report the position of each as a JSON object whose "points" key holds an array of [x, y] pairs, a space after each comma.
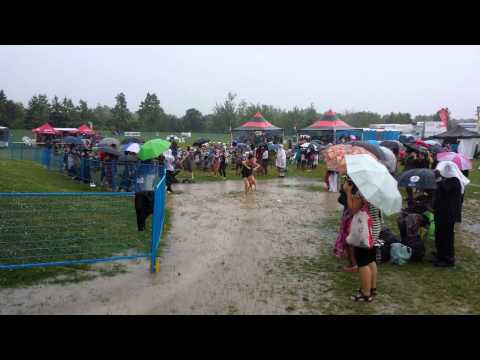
{"points": [[360, 297]]}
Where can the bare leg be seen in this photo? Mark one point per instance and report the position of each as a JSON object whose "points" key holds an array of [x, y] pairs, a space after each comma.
{"points": [[365, 279], [247, 185], [373, 270]]}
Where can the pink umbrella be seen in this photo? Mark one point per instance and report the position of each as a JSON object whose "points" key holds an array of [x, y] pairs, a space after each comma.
{"points": [[462, 161]]}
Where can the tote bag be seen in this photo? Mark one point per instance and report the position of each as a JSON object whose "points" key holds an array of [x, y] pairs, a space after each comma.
{"points": [[360, 234]]}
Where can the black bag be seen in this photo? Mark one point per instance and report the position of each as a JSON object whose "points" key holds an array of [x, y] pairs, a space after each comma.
{"points": [[417, 246], [386, 238]]}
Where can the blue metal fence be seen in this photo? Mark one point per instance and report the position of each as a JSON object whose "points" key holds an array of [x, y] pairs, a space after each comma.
{"points": [[128, 176], [59, 229]]}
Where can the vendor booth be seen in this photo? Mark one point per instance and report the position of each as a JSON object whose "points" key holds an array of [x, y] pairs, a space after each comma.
{"points": [[258, 131], [330, 129]]}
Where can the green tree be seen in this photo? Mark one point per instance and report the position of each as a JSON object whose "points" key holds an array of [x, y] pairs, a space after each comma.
{"points": [[38, 111], [70, 113], [397, 118], [11, 113], [361, 119], [193, 120], [85, 114], [225, 114], [121, 116], [57, 113], [102, 116], [151, 116]]}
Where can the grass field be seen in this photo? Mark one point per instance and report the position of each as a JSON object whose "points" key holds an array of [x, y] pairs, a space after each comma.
{"points": [[414, 288], [62, 227]]}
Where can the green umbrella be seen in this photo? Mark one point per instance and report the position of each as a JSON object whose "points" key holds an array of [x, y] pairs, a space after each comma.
{"points": [[153, 148]]}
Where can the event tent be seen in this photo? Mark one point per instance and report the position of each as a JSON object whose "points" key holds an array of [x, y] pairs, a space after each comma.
{"points": [[458, 132], [257, 123], [45, 129], [85, 130], [330, 123]]}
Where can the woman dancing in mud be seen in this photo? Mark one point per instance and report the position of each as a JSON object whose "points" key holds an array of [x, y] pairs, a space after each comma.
{"points": [[248, 166]]}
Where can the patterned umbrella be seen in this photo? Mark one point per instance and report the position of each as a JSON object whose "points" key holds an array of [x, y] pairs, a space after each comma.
{"points": [[334, 156], [462, 161]]}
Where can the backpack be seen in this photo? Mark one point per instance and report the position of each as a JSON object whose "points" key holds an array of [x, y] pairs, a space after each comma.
{"points": [[400, 254], [409, 225]]}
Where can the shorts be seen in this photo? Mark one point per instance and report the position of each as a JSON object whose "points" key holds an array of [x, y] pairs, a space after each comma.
{"points": [[246, 173], [363, 256]]}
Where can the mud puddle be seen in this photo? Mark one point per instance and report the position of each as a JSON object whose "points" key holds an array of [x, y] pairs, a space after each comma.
{"points": [[220, 256]]}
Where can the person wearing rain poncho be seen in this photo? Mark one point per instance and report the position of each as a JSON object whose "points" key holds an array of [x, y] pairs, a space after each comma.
{"points": [[448, 210], [281, 161]]}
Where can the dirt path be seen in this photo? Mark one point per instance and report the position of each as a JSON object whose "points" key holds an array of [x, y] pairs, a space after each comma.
{"points": [[218, 258]]}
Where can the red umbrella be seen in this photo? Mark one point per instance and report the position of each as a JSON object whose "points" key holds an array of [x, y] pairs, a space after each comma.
{"points": [[422, 143]]}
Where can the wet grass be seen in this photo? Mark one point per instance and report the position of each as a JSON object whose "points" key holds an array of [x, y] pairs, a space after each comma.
{"points": [[414, 288], [93, 226]]}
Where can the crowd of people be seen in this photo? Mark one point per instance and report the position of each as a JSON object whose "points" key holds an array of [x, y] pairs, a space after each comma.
{"points": [[439, 208]]}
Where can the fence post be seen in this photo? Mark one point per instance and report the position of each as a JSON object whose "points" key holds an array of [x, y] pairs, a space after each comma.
{"points": [[157, 221]]}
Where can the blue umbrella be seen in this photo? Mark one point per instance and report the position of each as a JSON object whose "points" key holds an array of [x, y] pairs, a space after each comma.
{"points": [[73, 140]]}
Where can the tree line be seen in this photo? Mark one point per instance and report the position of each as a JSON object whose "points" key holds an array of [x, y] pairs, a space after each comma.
{"points": [[150, 115]]}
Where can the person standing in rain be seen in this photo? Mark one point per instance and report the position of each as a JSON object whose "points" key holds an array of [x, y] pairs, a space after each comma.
{"points": [[447, 210], [170, 169], [281, 161], [365, 258]]}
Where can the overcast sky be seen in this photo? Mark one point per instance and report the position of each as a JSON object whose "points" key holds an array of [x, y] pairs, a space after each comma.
{"points": [[414, 79]]}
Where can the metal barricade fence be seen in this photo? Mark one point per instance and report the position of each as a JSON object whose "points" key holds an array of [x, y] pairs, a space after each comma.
{"points": [[56, 229]]}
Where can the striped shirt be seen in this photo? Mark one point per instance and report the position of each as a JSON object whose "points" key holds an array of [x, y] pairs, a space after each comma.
{"points": [[376, 216]]}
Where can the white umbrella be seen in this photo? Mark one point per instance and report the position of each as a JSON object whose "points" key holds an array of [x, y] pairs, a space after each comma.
{"points": [[374, 182], [134, 148]]}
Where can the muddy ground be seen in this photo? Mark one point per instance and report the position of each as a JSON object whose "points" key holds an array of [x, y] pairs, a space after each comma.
{"points": [[222, 256]]}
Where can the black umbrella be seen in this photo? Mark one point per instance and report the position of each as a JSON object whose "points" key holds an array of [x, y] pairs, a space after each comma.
{"points": [[436, 148], [200, 142], [418, 178], [416, 148], [405, 139], [393, 145], [374, 149], [129, 140]]}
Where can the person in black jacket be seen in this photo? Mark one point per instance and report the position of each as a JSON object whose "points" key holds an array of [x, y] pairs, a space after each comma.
{"points": [[448, 211]]}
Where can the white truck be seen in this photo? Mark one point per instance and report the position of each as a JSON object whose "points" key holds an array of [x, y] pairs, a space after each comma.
{"points": [[429, 128]]}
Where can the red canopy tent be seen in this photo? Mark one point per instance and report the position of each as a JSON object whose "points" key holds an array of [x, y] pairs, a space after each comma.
{"points": [[328, 121], [85, 130], [257, 122], [45, 129]]}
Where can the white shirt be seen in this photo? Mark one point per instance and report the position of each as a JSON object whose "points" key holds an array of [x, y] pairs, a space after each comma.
{"points": [[169, 159], [265, 155]]}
